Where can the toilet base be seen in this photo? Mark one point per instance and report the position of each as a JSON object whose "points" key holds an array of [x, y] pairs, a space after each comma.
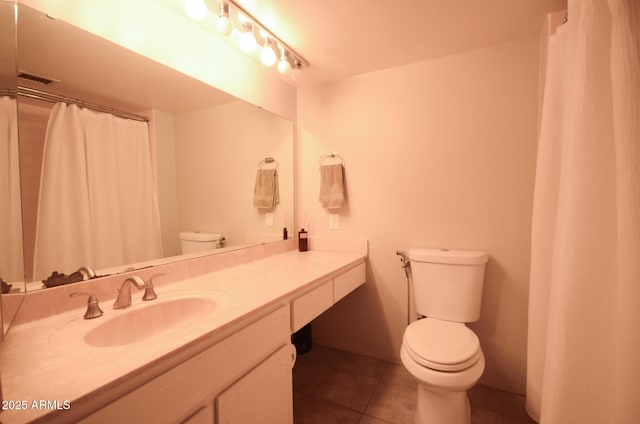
{"points": [[442, 407], [442, 396]]}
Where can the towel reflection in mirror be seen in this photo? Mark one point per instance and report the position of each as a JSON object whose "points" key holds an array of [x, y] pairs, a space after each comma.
{"points": [[266, 193]]}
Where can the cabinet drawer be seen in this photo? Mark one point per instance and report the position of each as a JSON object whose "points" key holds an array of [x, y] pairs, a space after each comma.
{"points": [[312, 304], [345, 283]]}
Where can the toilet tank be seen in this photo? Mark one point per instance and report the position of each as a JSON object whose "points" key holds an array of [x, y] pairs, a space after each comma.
{"points": [[447, 284], [198, 241]]}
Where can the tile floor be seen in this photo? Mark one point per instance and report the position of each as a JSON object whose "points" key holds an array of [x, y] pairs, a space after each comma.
{"points": [[335, 387]]}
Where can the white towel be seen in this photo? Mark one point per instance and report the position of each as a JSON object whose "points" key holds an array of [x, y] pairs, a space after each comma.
{"points": [[331, 186], [265, 193]]}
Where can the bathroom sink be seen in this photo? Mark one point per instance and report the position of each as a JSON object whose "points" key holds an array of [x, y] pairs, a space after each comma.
{"points": [[144, 322]]}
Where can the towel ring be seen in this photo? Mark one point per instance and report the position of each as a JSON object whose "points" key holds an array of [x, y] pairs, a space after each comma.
{"points": [[332, 155], [266, 161]]}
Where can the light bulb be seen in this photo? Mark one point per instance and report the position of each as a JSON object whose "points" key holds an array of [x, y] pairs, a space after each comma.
{"points": [[268, 56], [224, 26], [247, 40], [196, 9], [284, 67]]}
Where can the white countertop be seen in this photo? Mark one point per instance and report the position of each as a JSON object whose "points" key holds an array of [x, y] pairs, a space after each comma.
{"points": [[48, 360]]}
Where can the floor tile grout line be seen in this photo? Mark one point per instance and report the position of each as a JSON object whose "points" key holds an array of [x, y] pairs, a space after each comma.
{"points": [[504, 420], [375, 390], [379, 419], [337, 404], [361, 413]]}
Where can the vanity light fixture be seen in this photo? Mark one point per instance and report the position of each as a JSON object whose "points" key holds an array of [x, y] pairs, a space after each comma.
{"points": [[251, 34]]}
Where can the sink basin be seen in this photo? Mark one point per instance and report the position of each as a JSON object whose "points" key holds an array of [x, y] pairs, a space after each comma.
{"points": [[142, 323]]}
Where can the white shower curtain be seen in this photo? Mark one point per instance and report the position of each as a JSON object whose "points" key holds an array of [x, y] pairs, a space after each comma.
{"points": [[11, 257], [97, 205], [584, 305]]}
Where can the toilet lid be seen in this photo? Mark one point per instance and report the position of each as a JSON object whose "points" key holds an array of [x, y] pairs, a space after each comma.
{"points": [[442, 345]]}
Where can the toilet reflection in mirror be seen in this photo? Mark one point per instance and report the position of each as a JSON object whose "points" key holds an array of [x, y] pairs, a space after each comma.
{"points": [[197, 241]]}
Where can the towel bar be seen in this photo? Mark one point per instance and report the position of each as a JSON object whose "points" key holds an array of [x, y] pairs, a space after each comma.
{"points": [[332, 155], [266, 161]]}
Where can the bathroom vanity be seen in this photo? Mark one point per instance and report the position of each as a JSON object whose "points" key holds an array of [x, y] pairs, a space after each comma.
{"points": [[211, 349]]}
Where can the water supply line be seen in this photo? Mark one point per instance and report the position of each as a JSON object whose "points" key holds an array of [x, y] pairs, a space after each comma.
{"points": [[406, 265]]}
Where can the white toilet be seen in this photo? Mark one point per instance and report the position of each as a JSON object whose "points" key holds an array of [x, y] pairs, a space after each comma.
{"points": [[199, 241], [440, 351]]}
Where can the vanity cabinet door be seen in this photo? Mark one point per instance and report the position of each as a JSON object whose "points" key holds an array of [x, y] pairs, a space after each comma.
{"points": [[263, 395]]}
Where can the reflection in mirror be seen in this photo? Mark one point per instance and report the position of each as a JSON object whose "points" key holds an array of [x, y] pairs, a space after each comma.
{"points": [[205, 150], [11, 267]]}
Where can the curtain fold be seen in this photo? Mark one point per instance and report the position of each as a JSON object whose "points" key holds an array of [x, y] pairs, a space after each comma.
{"points": [[97, 204], [11, 257], [584, 305]]}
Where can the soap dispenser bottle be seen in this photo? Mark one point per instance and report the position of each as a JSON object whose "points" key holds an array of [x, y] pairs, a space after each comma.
{"points": [[303, 240]]}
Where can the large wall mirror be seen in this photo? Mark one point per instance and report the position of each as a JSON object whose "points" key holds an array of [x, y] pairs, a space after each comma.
{"points": [[206, 145]]}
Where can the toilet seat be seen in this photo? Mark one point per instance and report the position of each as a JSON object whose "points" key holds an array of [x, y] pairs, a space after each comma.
{"points": [[442, 345]]}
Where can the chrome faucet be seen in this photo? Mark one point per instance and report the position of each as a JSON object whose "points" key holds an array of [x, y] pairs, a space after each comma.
{"points": [[124, 293]]}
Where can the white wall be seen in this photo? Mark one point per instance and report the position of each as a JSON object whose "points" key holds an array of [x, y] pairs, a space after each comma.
{"points": [[438, 153]]}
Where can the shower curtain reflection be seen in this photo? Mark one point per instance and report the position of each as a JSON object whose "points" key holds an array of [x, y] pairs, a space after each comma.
{"points": [[11, 259], [97, 203]]}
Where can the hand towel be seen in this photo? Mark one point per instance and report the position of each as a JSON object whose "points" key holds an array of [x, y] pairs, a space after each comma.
{"points": [[331, 186], [265, 193]]}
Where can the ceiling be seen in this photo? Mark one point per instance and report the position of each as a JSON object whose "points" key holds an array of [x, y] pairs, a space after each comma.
{"points": [[348, 37]]}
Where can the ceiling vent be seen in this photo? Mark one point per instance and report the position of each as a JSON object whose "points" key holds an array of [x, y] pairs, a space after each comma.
{"points": [[36, 78]]}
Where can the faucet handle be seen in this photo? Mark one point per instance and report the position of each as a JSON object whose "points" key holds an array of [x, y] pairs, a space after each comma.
{"points": [[93, 308], [149, 292], [87, 272]]}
